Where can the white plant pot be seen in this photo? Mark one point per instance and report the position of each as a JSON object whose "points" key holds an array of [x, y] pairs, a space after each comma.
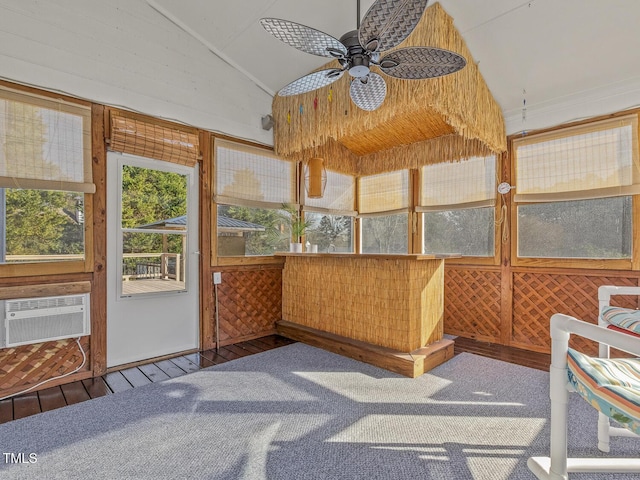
{"points": [[295, 247]]}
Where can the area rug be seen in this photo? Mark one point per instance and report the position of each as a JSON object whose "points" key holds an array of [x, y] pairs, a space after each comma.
{"points": [[298, 412]]}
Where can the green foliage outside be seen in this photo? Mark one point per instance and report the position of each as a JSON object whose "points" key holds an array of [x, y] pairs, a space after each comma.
{"points": [[331, 233], [150, 196], [274, 238], [468, 232], [37, 222], [599, 228], [42, 222], [385, 234]]}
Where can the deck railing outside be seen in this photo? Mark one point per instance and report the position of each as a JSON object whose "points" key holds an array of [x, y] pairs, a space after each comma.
{"points": [[167, 266]]}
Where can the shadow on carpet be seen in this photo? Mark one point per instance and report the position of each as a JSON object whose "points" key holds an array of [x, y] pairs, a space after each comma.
{"points": [[298, 412]]}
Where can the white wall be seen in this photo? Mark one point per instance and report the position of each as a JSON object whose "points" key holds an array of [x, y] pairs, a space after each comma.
{"points": [[82, 48]]}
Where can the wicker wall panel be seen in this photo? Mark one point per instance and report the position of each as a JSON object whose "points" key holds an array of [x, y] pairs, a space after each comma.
{"points": [[250, 302], [537, 296], [472, 303], [27, 365]]}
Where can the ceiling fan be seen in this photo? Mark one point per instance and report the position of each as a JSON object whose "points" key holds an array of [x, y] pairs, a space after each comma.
{"points": [[385, 25]]}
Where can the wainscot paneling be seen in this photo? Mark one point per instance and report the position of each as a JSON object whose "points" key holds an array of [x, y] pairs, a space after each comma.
{"points": [[472, 302], [27, 365], [249, 302], [538, 295]]}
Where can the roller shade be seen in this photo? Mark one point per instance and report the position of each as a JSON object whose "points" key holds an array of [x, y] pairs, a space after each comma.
{"points": [[452, 186], [252, 176], [384, 193], [591, 161], [146, 139], [45, 143], [339, 196]]}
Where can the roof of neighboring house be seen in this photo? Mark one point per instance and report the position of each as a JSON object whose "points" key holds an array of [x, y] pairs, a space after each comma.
{"points": [[224, 224], [232, 223]]}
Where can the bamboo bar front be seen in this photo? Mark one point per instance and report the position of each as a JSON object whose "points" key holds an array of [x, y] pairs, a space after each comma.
{"points": [[393, 301]]}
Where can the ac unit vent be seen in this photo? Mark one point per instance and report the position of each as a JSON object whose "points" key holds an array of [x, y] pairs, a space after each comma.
{"points": [[35, 320]]}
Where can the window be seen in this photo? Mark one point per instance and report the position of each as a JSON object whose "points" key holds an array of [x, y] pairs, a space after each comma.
{"points": [[45, 172], [385, 234], [251, 187], [467, 232], [42, 225], [384, 208], [574, 191], [331, 217], [458, 204], [154, 230], [598, 228]]}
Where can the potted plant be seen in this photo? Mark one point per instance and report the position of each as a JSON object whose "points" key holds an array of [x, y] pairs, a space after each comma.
{"points": [[297, 227]]}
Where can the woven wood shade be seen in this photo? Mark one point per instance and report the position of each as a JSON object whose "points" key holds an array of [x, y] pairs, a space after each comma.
{"points": [[420, 122], [146, 139]]}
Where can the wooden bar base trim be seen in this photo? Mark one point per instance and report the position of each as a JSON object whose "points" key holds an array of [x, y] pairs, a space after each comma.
{"points": [[410, 364]]}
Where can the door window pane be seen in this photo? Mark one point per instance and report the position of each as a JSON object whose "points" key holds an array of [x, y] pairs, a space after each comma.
{"points": [[154, 231], [153, 262]]}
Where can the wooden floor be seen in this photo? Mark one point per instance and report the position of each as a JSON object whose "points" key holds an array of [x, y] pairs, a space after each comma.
{"points": [[68, 394], [135, 287], [539, 361]]}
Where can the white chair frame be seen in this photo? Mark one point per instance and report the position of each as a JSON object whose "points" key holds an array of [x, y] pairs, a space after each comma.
{"points": [[557, 465], [605, 429]]}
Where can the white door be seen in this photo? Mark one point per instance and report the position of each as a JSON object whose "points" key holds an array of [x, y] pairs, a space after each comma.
{"points": [[152, 258]]}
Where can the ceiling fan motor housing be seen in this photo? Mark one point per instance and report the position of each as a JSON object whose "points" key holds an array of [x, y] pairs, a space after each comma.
{"points": [[358, 57]]}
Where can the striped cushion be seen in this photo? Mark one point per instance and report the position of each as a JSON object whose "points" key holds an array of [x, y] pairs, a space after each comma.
{"points": [[610, 386], [625, 318]]}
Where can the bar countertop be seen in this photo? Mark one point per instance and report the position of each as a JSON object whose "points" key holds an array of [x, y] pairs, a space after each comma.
{"points": [[375, 256]]}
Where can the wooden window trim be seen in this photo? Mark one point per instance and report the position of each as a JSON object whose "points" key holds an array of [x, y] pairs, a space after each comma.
{"points": [[632, 263], [217, 261], [66, 267]]}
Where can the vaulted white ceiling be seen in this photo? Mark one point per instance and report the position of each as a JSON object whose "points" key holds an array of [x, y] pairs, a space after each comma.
{"points": [[210, 64], [562, 59]]}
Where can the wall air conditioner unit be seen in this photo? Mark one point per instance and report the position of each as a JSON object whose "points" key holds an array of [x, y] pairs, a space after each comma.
{"points": [[35, 320]]}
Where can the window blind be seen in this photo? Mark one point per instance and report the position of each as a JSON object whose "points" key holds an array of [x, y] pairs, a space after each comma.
{"points": [[385, 193], [339, 196], [252, 176], [146, 139], [45, 143], [452, 186], [590, 161]]}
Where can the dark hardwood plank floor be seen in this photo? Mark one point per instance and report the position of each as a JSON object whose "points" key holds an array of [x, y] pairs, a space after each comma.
{"points": [[116, 382], [56, 397], [6, 410], [518, 356], [51, 398], [26, 405]]}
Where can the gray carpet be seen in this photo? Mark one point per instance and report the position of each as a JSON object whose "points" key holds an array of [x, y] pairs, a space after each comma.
{"points": [[298, 412]]}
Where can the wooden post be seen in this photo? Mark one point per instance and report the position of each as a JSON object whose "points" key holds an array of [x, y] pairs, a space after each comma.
{"points": [[99, 281]]}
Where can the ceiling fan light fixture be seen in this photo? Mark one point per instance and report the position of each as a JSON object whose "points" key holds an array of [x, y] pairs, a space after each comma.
{"points": [[359, 66]]}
